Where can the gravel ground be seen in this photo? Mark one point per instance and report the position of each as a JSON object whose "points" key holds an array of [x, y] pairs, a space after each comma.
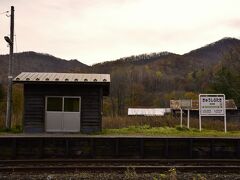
{"points": [[170, 175]]}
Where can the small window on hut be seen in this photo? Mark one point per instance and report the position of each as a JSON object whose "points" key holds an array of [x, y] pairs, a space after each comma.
{"points": [[71, 104], [54, 103]]}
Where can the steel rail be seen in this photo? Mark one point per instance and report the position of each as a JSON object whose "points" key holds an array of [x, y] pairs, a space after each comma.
{"points": [[139, 165], [121, 162], [139, 169], [118, 160]]}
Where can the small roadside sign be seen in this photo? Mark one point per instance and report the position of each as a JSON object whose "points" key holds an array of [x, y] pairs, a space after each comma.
{"points": [[186, 104]]}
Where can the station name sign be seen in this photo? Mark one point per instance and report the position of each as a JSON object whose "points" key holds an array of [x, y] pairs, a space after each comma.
{"points": [[212, 105]]}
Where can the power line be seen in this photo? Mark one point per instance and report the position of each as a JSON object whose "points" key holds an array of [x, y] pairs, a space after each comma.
{"points": [[4, 12]]}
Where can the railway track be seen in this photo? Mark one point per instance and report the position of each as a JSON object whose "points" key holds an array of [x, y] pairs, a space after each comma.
{"points": [[120, 165]]}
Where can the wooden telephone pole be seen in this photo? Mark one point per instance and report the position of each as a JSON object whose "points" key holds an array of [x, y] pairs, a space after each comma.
{"points": [[10, 75]]}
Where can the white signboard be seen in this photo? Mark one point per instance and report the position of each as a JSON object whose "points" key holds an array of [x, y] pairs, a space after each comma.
{"points": [[186, 104], [212, 105]]}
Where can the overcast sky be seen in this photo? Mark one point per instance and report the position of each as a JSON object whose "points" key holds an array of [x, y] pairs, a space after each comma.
{"points": [[99, 30]]}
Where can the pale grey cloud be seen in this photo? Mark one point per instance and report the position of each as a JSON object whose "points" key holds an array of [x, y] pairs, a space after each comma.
{"points": [[99, 30]]}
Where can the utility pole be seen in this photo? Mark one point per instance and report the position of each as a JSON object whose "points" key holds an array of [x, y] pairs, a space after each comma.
{"points": [[10, 75]]}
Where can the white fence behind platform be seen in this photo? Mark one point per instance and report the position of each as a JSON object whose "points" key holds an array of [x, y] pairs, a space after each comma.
{"points": [[148, 111]]}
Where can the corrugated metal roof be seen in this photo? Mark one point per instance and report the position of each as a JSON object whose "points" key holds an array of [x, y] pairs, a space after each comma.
{"points": [[176, 104], [61, 77], [148, 111]]}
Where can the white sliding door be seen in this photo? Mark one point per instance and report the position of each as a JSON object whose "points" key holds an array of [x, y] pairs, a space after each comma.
{"points": [[62, 114]]}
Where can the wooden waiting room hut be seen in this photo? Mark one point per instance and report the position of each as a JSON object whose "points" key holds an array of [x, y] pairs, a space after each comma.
{"points": [[63, 102]]}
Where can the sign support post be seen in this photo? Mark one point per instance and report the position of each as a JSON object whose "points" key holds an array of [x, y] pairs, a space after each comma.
{"points": [[188, 118], [200, 123], [181, 119], [185, 104], [225, 123]]}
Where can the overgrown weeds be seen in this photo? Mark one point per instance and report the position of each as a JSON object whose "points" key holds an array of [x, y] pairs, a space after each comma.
{"points": [[130, 173], [146, 130], [168, 121], [16, 129]]}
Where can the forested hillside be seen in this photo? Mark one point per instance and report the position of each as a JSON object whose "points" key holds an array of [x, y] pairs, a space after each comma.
{"points": [[37, 62], [151, 80], [156, 78]]}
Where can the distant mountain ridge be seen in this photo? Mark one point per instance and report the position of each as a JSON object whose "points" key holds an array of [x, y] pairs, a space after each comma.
{"points": [[37, 62], [215, 50]]}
